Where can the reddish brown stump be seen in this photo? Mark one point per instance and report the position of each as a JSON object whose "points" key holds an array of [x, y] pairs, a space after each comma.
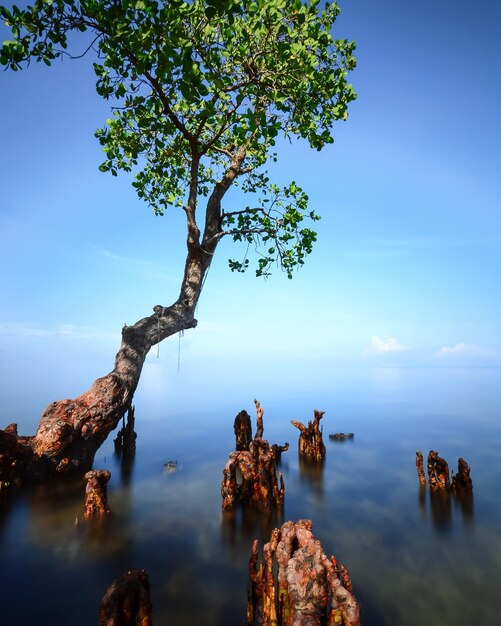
{"points": [[438, 474], [311, 443], [127, 601], [242, 427], [420, 468], [309, 590], [461, 482], [250, 476], [96, 499]]}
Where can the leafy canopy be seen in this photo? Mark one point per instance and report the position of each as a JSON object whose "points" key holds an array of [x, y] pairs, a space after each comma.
{"points": [[200, 92]]}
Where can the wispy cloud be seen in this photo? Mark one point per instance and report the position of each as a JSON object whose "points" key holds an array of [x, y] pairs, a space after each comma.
{"points": [[465, 351], [384, 345], [70, 331]]}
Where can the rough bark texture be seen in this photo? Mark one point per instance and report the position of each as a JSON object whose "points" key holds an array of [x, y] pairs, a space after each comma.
{"points": [[461, 482], [309, 589], [96, 494], [250, 476], [127, 601], [420, 467], [242, 427], [438, 474], [311, 444], [71, 431], [18, 461]]}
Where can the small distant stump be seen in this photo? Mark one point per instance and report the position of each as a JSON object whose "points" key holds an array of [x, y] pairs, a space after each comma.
{"points": [[341, 436], [297, 584], [127, 601], [311, 444], [125, 441], [250, 476], [96, 496]]}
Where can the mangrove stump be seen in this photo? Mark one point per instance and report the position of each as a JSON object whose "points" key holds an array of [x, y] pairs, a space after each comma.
{"points": [[127, 601], [250, 476], [296, 584], [311, 444], [96, 497]]}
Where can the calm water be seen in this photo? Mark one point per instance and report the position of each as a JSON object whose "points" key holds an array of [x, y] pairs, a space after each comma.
{"points": [[413, 559]]}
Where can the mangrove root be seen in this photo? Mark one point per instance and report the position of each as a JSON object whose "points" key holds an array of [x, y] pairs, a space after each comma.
{"points": [[420, 468], [18, 462], [297, 584], [311, 443], [127, 601], [242, 427], [461, 482], [438, 474], [250, 475], [96, 498]]}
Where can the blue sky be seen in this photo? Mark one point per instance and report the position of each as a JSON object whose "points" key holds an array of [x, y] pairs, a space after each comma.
{"points": [[405, 270]]}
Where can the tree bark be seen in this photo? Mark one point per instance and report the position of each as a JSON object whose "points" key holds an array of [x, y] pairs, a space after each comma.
{"points": [[71, 431], [296, 584]]}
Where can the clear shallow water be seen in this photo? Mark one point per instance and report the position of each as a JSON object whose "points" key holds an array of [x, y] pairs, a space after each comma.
{"points": [[413, 559]]}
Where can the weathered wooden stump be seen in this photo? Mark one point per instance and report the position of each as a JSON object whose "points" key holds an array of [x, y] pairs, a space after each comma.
{"points": [[420, 468], [96, 497], [127, 601], [341, 436], [242, 428], [461, 482], [438, 474], [296, 584], [311, 444], [250, 476]]}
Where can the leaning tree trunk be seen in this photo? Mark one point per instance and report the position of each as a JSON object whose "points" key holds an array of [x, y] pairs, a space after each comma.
{"points": [[71, 431]]}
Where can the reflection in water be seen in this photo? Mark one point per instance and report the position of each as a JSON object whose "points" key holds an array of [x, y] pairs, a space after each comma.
{"points": [[312, 473], [465, 503], [240, 527], [441, 509], [441, 506], [362, 502]]}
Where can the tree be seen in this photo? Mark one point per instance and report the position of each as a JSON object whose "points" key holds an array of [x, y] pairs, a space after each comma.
{"points": [[200, 93]]}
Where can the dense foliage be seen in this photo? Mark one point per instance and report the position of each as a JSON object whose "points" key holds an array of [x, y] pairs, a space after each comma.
{"points": [[201, 91]]}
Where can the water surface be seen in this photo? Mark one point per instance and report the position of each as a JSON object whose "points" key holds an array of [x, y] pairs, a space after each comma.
{"points": [[414, 559]]}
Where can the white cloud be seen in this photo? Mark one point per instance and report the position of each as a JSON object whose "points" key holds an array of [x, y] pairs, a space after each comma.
{"points": [[383, 345], [465, 350], [459, 348]]}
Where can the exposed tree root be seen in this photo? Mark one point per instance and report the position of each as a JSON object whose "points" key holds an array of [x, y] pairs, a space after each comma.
{"points": [[250, 476], [438, 474], [96, 494], [308, 589], [311, 444], [127, 601]]}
